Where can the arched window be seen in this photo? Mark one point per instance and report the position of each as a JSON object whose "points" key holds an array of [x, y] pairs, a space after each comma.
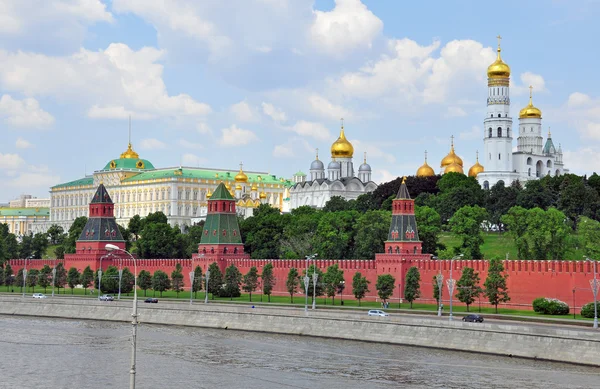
{"points": [[390, 249], [499, 156], [499, 115], [490, 132], [549, 164], [508, 132], [499, 132], [486, 185], [397, 250], [529, 161]]}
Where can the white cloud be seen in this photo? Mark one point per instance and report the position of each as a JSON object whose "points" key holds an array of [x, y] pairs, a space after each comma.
{"points": [[116, 112], [535, 80], [243, 112], [203, 128], [289, 148], [114, 82], [348, 26], [324, 108], [34, 180], [381, 175], [312, 129], [283, 151], [583, 160], [453, 112], [234, 136], [152, 144], [192, 160], [273, 112], [473, 134], [18, 16], [23, 144], [11, 161], [186, 144], [373, 151], [24, 113], [583, 112]]}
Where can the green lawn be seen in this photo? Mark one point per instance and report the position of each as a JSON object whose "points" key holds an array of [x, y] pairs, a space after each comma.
{"points": [[500, 244], [299, 301]]}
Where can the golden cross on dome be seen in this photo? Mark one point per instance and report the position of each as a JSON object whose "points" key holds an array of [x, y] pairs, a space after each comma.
{"points": [[365, 157], [425, 155], [530, 91], [241, 165], [317, 153], [499, 38], [342, 120], [452, 140], [477, 155]]}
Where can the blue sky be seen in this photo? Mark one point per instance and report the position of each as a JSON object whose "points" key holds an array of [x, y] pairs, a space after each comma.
{"points": [[213, 83]]}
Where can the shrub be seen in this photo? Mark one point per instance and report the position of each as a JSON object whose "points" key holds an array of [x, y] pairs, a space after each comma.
{"points": [[548, 306], [588, 310]]}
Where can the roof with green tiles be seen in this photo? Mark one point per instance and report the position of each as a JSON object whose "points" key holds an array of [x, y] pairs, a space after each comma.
{"points": [[80, 182], [221, 228], [24, 211], [206, 174], [129, 163], [221, 193]]}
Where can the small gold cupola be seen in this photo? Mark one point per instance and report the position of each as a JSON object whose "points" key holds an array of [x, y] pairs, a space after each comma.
{"points": [[451, 158], [498, 69], [425, 170], [530, 111], [477, 168], [341, 147], [241, 176]]}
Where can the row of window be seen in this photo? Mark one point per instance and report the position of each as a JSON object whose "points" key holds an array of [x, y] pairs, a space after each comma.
{"points": [[498, 132]]}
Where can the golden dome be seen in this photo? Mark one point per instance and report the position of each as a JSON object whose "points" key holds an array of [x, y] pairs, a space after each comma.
{"points": [[498, 69], [228, 187], [241, 176], [263, 195], [477, 168], [208, 194], [238, 187], [341, 147], [425, 170], [530, 111], [129, 153], [254, 187], [454, 168], [451, 157]]}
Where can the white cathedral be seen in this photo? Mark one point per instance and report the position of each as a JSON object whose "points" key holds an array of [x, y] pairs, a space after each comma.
{"points": [[339, 181], [533, 158]]}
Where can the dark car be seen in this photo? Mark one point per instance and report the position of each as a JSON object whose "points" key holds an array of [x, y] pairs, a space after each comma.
{"points": [[473, 318], [151, 300]]}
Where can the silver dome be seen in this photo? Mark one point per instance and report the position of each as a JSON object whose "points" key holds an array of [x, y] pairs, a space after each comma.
{"points": [[365, 167], [317, 165], [334, 165]]}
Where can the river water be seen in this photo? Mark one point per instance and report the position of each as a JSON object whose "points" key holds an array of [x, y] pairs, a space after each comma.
{"points": [[55, 353]]}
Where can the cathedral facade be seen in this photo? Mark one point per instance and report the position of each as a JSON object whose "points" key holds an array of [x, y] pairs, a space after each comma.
{"points": [[534, 157], [340, 178]]}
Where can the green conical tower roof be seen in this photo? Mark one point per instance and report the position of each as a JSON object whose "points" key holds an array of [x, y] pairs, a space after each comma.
{"points": [[221, 193]]}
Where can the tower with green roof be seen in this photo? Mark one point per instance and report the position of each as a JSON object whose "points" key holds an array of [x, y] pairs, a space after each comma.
{"points": [[221, 236], [403, 237]]}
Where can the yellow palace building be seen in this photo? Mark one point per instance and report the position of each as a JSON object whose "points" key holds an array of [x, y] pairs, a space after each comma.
{"points": [[138, 188]]}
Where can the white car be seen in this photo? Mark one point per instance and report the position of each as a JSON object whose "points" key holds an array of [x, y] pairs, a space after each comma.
{"points": [[377, 312], [39, 296]]}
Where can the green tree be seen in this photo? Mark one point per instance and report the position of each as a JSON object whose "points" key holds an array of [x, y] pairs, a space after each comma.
{"points": [[360, 286], [516, 223], [468, 287], [160, 282], [299, 233], [110, 280], [144, 281], [386, 283], [61, 276], [589, 231], [177, 279], [333, 277], [292, 282], [536, 194], [59, 252], [19, 279], [335, 235], [87, 278], [1, 275], [499, 199], [127, 281], [319, 287], [263, 231], [9, 247], [466, 224], [44, 277], [9, 279], [371, 231], [233, 279], [430, 227], [576, 199], [268, 280], [32, 278], [412, 288], [215, 280], [158, 240], [495, 288], [197, 284], [250, 281], [74, 234], [456, 191], [154, 218], [336, 204], [191, 239], [436, 289], [56, 234], [39, 245], [135, 226], [365, 202], [26, 246], [73, 278]]}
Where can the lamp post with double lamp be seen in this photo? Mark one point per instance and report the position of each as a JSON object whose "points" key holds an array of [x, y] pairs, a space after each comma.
{"points": [[306, 281], [451, 282], [112, 248], [25, 274], [120, 277], [315, 278], [594, 284], [439, 279], [206, 289], [100, 276], [53, 277]]}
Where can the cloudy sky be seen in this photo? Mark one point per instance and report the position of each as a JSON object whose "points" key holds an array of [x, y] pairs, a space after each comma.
{"points": [[213, 83]]}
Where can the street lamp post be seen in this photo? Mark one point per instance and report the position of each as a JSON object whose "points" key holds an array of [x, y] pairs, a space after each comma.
{"points": [[120, 277], [25, 274], [574, 310], [439, 279], [306, 281], [315, 278], [111, 247], [206, 288], [594, 284], [100, 276], [192, 276], [451, 282], [53, 277]]}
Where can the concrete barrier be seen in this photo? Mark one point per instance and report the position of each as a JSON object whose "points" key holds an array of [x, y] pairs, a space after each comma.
{"points": [[543, 342]]}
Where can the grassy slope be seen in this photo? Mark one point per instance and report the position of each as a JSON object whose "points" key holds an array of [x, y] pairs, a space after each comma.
{"points": [[496, 244]]}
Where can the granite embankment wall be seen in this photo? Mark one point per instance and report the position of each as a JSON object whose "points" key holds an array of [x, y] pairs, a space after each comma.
{"points": [[535, 341]]}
